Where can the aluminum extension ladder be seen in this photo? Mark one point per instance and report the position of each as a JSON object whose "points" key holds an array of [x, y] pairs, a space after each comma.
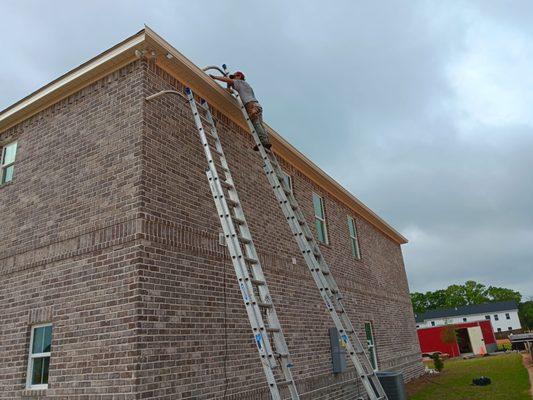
{"points": [[316, 264], [255, 293]]}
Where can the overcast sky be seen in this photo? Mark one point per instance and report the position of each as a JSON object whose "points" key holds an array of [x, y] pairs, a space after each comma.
{"points": [[422, 109]]}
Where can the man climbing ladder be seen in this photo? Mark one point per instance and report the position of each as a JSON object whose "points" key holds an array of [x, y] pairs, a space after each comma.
{"points": [[253, 108], [316, 264]]}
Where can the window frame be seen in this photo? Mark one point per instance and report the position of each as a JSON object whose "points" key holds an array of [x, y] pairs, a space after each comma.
{"points": [[371, 347], [4, 167], [354, 241], [487, 317], [432, 323], [287, 178], [321, 219], [496, 317], [31, 357], [507, 316]]}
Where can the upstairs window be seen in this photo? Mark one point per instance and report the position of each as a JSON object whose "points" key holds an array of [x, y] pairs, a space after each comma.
{"points": [[487, 317], [39, 360], [353, 238], [464, 319], [496, 318], [320, 219], [432, 323], [7, 166], [287, 181], [507, 316]]}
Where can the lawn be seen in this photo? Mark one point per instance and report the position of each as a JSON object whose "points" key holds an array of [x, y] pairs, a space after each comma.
{"points": [[510, 380]]}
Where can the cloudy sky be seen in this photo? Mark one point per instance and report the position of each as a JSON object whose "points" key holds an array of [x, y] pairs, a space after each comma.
{"points": [[422, 109]]}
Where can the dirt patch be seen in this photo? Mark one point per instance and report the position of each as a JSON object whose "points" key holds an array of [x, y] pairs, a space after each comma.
{"points": [[528, 363], [413, 386]]}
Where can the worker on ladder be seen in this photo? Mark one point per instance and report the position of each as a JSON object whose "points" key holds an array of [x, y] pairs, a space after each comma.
{"points": [[253, 108]]}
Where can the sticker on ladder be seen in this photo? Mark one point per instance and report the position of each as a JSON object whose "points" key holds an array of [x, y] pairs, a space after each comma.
{"points": [[259, 341], [244, 292]]}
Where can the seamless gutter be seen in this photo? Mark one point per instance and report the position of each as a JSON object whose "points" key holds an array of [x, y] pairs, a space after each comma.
{"points": [[187, 72]]}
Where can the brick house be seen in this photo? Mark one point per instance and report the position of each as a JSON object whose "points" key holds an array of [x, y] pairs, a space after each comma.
{"points": [[114, 282]]}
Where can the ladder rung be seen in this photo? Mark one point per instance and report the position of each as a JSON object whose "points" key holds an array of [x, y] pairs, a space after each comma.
{"points": [[286, 383], [220, 153], [232, 203], [226, 184], [250, 260], [282, 355], [309, 238], [257, 282], [238, 221], [244, 239], [264, 305], [273, 329], [325, 272]]}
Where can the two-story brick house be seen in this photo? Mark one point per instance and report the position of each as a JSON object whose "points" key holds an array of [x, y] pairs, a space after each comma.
{"points": [[114, 284]]}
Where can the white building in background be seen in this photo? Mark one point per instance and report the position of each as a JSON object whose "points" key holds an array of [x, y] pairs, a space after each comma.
{"points": [[503, 315]]}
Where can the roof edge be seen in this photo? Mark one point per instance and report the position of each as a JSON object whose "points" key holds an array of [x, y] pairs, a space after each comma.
{"points": [[181, 67]]}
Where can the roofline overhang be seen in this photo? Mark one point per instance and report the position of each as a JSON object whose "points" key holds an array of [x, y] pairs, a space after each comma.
{"points": [[180, 67]]}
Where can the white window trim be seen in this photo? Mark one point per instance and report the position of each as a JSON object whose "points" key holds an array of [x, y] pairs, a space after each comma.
{"points": [[3, 166], [323, 220], [289, 178], [372, 346], [32, 356], [354, 242]]}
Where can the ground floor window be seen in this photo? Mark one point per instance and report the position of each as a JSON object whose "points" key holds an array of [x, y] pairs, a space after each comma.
{"points": [[371, 345], [39, 356]]}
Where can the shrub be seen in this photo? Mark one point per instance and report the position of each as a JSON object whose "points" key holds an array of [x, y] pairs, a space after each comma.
{"points": [[437, 362]]}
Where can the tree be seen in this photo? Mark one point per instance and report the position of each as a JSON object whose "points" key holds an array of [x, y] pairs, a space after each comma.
{"points": [[503, 294], [525, 311], [448, 334], [470, 292]]}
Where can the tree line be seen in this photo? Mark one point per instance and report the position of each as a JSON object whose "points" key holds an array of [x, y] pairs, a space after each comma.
{"points": [[469, 293]]}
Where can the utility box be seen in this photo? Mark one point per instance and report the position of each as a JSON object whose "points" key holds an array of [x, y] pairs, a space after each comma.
{"points": [[338, 352], [393, 385]]}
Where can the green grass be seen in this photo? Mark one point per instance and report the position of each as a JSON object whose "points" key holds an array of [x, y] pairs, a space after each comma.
{"points": [[510, 380]]}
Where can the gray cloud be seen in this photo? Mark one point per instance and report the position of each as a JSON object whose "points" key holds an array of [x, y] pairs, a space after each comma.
{"points": [[421, 109]]}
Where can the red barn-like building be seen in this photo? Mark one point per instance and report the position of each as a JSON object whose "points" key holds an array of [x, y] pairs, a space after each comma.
{"points": [[472, 337]]}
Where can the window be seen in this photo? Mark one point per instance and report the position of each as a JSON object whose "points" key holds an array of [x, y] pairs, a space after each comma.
{"points": [[487, 317], [510, 328], [507, 316], [287, 181], [320, 219], [432, 323], [499, 329], [353, 238], [39, 359], [371, 345], [464, 319], [496, 317], [9, 153]]}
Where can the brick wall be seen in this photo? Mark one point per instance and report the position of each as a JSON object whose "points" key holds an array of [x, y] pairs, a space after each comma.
{"points": [[110, 233]]}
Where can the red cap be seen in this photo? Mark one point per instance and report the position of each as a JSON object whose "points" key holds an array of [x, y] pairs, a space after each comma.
{"points": [[237, 73]]}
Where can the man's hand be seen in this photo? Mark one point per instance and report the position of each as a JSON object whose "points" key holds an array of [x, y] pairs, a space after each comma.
{"points": [[229, 81]]}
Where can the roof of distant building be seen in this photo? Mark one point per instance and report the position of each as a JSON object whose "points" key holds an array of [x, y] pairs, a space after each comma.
{"points": [[467, 310]]}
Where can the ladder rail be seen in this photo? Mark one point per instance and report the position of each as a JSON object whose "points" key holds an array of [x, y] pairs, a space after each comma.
{"points": [[317, 265], [238, 238]]}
